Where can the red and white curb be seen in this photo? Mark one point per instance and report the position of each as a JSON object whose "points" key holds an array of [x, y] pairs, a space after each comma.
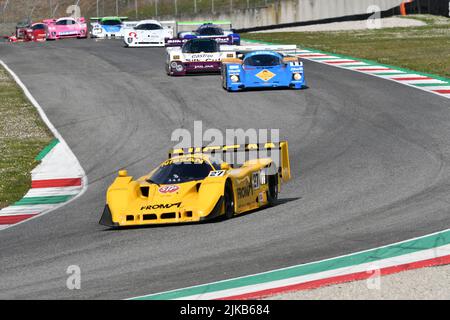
{"points": [[430, 250], [57, 180], [432, 84]]}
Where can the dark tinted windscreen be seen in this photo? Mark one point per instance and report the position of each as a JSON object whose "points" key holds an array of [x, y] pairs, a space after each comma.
{"points": [[180, 172], [62, 22], [262, 60], [200, 45], [148, 26], [39, 27], [111, 23], [210, 31]]}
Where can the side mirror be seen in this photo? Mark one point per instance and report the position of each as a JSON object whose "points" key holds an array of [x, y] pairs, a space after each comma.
{"points": [[225, 166], [123, 173]]}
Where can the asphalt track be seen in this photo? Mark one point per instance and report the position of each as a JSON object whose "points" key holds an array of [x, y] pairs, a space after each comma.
{"points": [[370, 165]]}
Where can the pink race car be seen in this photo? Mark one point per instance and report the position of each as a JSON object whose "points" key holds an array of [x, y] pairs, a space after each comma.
{"points": [[67, 27]]}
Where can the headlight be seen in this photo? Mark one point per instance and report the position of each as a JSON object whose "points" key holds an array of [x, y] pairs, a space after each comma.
{"points": [[173, 64], [234, 78], [297, 76], [179, 67]]}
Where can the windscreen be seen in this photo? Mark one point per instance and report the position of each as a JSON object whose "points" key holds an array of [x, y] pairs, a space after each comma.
{"points": [[210, 31], [200, 45], [173, 172], [148, 26], [39, 27], [262, 60], [111, 22]]}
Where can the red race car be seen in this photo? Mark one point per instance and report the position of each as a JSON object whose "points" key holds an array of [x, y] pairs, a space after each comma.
{"points": [[29, 32], [37, 32]]}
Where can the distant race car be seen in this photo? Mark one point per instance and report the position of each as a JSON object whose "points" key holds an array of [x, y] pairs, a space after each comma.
{"points": [[195, 56], [110, 27], [148, 33], [33, 32], [67, 27], [263, 68], [211, 29], [21, 28], [194, 185], [37, 32]]}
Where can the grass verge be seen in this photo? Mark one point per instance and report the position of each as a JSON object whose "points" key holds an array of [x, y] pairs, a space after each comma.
{"points": [[23, 135], [425, 49]]}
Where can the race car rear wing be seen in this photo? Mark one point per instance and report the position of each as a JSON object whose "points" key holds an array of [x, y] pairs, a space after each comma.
{"points": [[99, 18], [169, 24], [283, 49], [277, 151], [48, 21], [178, 42], [187, 25]]}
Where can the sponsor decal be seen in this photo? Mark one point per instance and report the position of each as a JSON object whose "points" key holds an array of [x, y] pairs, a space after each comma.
{"points": [[168, 189], [203, 66], [217, 173], [202, 57], [265, 75], [260, 197], [67, 33], [244, 191], [255, 179], [161, 206]]}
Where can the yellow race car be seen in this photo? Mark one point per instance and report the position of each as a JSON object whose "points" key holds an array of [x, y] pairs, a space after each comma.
{"points": [[195, 184]]}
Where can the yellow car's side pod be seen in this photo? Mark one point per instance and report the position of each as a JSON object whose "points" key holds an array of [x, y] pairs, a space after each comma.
{"points": [[225, 190]]}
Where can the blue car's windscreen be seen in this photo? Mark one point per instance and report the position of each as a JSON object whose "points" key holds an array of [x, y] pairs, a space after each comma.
{"points": [[262, 60], [180, 172]]}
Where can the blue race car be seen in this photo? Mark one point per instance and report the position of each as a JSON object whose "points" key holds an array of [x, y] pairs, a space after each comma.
{"points": [[210, 29], [263, 69]]}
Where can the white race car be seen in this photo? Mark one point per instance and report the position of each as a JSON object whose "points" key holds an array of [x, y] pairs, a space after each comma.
{"points": [[110, 27], [148, 33]]}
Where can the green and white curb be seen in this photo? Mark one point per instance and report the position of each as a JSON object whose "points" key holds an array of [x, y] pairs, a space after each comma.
{"points": [[430, 250], [57, 180], [419, 80]]}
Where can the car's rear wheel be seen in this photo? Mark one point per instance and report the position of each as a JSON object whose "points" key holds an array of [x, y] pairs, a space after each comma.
{"points": [[272, 193], [229, 200]]}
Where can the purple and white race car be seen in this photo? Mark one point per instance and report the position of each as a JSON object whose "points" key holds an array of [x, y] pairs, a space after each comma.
{"points": [[198, 55]]}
